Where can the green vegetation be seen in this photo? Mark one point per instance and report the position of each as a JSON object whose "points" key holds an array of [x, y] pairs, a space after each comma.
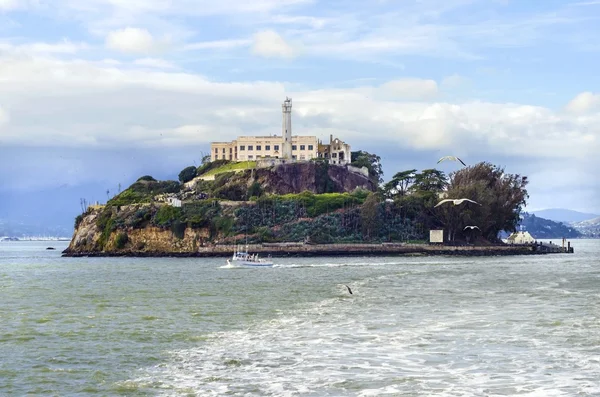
{"points": [[167, 215], [371, 161], [403, 209], [121, 240], [143, 191], [187, 174]]}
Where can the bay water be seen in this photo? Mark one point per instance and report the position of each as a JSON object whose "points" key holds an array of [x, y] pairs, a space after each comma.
{"points": [[413, 326]]}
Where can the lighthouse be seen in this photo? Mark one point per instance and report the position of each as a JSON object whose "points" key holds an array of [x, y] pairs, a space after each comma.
{"points": [[286, 128]]}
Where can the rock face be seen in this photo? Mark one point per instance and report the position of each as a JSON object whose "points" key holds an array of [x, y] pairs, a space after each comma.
{"points": [[310, 176], [149, 239]]}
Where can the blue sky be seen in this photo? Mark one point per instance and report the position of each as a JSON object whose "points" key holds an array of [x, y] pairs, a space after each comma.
{"points": [[96, 93]]}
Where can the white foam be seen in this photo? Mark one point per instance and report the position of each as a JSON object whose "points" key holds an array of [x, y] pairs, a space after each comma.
{"points": [[400, 333]]}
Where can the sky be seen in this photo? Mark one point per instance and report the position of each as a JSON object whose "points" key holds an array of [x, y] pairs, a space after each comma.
{"points": [[95, 93]]}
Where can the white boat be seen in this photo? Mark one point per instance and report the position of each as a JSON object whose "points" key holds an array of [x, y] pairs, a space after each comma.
{"points": [[241, 258]]}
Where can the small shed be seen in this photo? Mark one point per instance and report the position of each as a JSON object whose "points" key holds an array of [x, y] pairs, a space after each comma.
{"points": [[520, 237]]}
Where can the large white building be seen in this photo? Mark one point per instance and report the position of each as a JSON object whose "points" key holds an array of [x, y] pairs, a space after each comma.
{"points": [[284, 146]]}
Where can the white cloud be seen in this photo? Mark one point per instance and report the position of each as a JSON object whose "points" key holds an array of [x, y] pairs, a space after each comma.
{"points": [[411, 88], [77, 103], [9, 4], [270, 44], [583, 102], [131, 40], [155, 63]]}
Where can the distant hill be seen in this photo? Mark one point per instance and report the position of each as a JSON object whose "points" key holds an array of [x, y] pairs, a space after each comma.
{"points": [[564, 215], [23, 229], [589, 228], [541, 228]]}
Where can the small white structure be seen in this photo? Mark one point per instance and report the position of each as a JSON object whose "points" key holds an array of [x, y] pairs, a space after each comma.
{"points": [[174, 201], [520, 237], [436, 236]]}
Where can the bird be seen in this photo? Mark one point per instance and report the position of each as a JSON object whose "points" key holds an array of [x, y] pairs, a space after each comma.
{"points": [[453, 158], [472, 227], [349, 290], [456, 201]]}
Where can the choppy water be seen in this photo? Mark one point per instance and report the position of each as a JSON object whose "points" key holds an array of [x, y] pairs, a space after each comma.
{"points": [[186, 327]]}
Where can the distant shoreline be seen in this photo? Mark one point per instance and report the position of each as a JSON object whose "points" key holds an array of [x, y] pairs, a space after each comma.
{"points": [[316, 250]]}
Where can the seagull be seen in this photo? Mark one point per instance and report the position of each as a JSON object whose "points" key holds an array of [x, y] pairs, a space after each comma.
{"points": [[456, 201], [453, 158], [472, 227], [349, 290]]}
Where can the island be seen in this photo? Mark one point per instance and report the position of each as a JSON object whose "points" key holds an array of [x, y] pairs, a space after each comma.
{"points": [[306, 208]]}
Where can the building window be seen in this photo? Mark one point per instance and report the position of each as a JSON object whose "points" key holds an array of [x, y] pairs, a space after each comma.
{"points": [[310, 147], [334, 155], [250, 147], [258, 147], [242, 147], [302, 147], [276, 147], [223, 150], [216, 150], [294, 147], [267, 147], [250, 157], [302, 157], [294, 157]]}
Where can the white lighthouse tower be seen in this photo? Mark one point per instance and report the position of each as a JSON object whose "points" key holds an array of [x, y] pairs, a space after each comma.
{"points": [[286, 128]]}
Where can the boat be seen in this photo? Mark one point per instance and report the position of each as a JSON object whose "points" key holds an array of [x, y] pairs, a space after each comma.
{"points": [[241, 258]]}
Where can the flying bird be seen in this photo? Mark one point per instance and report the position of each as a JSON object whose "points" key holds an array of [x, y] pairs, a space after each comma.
{"points": [[453, 158], [472, 227], [349, 290], [456, 201]]}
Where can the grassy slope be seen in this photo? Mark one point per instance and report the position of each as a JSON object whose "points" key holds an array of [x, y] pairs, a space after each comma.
{"points": [[239, 166]]}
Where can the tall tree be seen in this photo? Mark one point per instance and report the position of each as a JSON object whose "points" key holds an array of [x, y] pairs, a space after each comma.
{"points": [[502, 197]]}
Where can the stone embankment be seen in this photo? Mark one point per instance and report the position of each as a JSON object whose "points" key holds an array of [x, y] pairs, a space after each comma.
{"points": [[308, 250]]}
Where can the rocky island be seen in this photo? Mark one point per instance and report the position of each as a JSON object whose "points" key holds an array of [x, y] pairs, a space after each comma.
{"points": [[305, 208]]}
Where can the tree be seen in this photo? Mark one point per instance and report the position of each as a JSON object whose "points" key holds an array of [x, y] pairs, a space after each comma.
{"points": [[429, 181], [371, 161], [502, 197], [205, 159], [399, 184], [187, 174]]}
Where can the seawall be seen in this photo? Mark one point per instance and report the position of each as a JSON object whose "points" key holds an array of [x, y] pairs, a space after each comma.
{"points": [[311, 250]]}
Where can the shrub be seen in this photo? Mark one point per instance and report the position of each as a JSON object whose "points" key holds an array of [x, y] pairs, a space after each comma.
{"points": [[166, 215], [187, 174], [121, 240], [255, 190]]}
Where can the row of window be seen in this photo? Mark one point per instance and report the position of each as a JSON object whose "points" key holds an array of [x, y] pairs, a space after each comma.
{"points": [[275, 147], [302, 157]]}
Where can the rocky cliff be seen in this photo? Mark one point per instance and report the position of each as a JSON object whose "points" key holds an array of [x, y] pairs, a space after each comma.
{"points": [[310, 176]]}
